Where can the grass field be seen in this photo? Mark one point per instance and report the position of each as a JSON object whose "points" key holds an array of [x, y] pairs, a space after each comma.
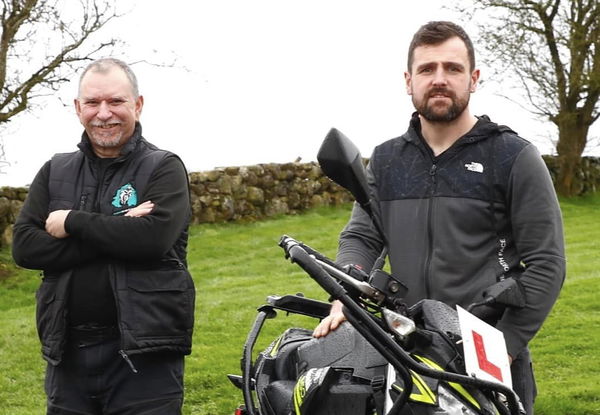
{"points": [[236, 266]]}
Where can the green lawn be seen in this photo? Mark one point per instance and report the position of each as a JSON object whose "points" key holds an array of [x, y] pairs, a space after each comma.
{"points": [[237, 265]]}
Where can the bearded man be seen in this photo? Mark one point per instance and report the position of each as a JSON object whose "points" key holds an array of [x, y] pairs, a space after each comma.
{"points": [[108, 226], [463, 203]]}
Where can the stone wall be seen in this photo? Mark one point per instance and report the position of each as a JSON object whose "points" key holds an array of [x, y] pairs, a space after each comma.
{"points": [[230, 194], [265, 190], [11, 200], [255, 192]]}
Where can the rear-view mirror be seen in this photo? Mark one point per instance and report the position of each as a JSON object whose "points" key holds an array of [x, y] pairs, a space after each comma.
{"points": [[341, 161]]}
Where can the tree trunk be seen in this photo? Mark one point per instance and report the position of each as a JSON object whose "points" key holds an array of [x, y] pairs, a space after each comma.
{"points": [[572, 135]]}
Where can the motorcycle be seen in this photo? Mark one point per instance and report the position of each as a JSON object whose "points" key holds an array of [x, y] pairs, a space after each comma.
{"points": [[390, 359]]}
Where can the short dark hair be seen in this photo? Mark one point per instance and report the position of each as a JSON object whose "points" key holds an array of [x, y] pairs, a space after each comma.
{"points": [[103, 65], [434, 33]]}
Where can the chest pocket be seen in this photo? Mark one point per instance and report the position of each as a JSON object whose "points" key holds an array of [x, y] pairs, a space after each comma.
{"points": [[71, 183]]}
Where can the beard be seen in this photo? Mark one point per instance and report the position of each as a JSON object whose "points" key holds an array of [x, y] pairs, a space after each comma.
{"points": [[106, 139], [436, 113]]}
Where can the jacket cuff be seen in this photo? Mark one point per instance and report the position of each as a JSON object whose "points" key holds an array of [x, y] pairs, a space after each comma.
{"points": [[75, 222], [514, 342]]}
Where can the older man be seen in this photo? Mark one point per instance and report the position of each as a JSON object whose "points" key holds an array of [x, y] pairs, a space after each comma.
{"points": [[107, 224]]}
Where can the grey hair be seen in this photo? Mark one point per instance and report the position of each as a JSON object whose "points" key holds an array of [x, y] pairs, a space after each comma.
{"points": [[103, 65]]}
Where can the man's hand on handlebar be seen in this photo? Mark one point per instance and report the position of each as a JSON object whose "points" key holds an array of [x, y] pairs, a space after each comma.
{"points": [[332, 321]]}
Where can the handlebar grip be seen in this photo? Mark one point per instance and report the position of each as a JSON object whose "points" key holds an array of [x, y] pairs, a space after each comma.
{"points": [[286, 242], [307, 263]]}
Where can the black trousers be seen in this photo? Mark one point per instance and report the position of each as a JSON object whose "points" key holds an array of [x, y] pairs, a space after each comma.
{"points": [[93, 379], [523, 380]]}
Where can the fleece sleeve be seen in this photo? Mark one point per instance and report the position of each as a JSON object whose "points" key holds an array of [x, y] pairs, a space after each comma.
{"points": [[35, 248], [538, 234], [360, 243], [144, 238]]}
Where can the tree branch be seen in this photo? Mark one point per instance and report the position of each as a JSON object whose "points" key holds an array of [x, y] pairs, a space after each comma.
{"points": [[16, 90]]}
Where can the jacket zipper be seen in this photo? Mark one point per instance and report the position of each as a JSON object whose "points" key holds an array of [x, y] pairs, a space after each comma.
{"points": [[128, 360], [122, 353], [432, 173], [112, 278], [100, 188]]}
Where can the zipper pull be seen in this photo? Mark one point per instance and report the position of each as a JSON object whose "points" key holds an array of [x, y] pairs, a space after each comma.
{"points": [[83, 201], [128, 360], [432, 171]]}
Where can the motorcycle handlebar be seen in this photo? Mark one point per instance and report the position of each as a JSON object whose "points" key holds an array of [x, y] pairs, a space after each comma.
{"points": [[330, 268], [297, 253]]}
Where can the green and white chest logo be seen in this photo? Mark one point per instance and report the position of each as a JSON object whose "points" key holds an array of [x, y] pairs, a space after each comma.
{"points": [[126, 196]]}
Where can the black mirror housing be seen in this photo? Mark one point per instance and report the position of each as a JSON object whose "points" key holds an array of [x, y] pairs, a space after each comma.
{"points": [[341, 161]]}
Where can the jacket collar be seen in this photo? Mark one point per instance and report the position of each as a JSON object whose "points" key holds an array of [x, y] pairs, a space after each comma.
{"points": [[483, 128]]}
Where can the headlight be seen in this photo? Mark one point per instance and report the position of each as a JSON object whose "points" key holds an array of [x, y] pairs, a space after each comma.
{"points": [[450, 404], [399, 324]]}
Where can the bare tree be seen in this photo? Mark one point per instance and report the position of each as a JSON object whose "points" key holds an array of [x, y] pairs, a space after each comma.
{"points": [[42, 44], [553, 48]]}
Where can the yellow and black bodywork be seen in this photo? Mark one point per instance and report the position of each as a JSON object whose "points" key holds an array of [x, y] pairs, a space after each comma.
{"points": [[344, 374], [427, 391]]}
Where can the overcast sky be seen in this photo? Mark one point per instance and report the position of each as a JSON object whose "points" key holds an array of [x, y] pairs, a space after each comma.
{"points": [[265, 81]]}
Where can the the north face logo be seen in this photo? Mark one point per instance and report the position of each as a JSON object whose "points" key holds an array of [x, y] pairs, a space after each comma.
{"points": [[474, 166], [126, 196]]}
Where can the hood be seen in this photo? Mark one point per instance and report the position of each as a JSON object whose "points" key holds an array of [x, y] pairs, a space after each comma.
{"points": [[483, 128]]}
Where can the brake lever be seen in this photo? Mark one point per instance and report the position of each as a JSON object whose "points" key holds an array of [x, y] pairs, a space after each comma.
{"points": [[361, 286]]}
